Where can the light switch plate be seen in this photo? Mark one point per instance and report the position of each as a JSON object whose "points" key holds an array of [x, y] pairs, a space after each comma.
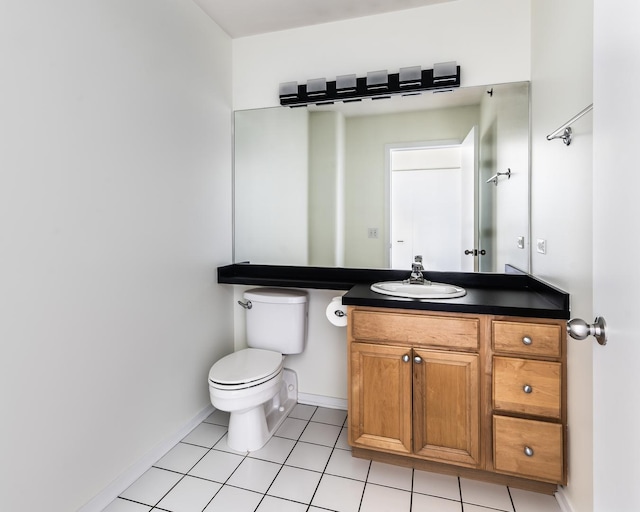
{"points": [[541, 246]]}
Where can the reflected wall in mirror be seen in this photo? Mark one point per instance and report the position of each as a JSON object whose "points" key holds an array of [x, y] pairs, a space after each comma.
{"points": [[370, 184]]}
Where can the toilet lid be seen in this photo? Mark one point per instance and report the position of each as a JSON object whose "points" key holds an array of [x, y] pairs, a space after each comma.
{"points": [[246, 366]]}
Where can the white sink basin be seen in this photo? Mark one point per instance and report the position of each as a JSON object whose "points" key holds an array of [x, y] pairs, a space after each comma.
{"points": [[428, 290]]}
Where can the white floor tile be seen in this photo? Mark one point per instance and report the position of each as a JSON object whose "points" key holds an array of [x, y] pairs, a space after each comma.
{"points": [[277, 450], [320, 433], [232, 499], [217, 466], [302, 412], [182, 457], [291, 428], [340, 494], [526, 501], [468, 507], [295, 484], [485, 495], [383, 499], [189, 495], [291, 472], [422, 502], [330, 416], [343, 439], [151, 486], [218, 417], [120, 505], [309, 456], [434, 484], [343, 464], [272, 504], [390, 476], [255, 475], [205, 435]]}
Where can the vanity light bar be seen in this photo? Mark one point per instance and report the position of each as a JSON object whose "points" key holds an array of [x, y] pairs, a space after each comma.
{"points": [[376, 85]]}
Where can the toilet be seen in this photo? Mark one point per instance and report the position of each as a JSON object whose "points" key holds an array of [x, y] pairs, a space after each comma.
{"points": [[252, 384]]}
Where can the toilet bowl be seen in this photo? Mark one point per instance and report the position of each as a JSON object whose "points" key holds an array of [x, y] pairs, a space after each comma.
{"points": [[252, 384]]}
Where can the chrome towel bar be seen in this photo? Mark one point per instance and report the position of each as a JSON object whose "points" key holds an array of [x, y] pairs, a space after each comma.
{"points": [[565, 132]]}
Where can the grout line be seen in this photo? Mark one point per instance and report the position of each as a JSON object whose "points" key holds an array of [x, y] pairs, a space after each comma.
{"points": [[236, 469], [281, 467], [513, 505], [326, 465], [366, 479], [171, 489], [413, 474]]}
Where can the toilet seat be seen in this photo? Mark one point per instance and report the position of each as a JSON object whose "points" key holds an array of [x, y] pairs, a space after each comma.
{"points": [[246, 368]]}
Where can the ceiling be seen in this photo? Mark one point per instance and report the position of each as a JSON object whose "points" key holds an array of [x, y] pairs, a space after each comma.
{"points": [[240, 18]]}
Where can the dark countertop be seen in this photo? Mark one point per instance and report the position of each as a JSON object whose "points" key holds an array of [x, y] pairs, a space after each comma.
{"points": [[500, 301], [513, 293]]}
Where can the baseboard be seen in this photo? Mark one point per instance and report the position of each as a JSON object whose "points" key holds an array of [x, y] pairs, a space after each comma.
{"points": [[563, 500], [322, 401], [115, 488]]}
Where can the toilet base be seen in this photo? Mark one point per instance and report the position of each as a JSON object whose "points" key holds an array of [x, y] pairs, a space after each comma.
{"points": [[250, 430]]}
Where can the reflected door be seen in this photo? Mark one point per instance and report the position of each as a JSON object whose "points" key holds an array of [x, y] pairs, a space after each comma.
{"points": [[426, 208]]}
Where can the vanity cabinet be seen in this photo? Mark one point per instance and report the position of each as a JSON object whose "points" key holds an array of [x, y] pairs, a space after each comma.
{"points": [[476, 395], [529, 399], [415, 384]]}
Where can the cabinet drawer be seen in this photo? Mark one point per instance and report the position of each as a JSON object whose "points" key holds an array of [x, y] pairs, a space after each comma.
{"points": [[426, 330], [528, 448], [527, 386], [527, 338]]}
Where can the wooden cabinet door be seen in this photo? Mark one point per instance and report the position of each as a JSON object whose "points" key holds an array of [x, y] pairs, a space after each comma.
{"points": [[380, 397], [446, 403]]}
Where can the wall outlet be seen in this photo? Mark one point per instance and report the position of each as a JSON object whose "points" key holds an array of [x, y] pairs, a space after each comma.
{"points": [[541, 246], [373, 232]]}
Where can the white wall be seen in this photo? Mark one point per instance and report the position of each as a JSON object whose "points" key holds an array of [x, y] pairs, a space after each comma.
{"points": [[561, 193], [115, 210], [489, 39]]}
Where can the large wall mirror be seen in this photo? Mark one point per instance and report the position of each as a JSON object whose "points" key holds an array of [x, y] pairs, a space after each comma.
{"points": [[372, 184]]}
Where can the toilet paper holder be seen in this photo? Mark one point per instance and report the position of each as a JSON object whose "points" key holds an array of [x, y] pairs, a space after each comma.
{"points": [[339, 312]]}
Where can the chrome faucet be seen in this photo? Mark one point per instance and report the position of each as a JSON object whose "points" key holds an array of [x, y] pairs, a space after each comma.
{"points": [[416, 271]]}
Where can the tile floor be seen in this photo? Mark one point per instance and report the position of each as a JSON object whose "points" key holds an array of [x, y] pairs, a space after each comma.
{"points": [[306, 467]]}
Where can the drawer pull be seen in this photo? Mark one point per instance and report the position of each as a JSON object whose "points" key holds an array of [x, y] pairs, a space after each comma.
{"points": [[417, 359], [528, 451], [406, 358], [527, 341], [527, 389]]}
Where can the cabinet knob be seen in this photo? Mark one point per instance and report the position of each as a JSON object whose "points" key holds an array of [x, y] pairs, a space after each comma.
{"points": [[406, 358], [527, 388], [528, 451], [417, 359], [527, 341]]}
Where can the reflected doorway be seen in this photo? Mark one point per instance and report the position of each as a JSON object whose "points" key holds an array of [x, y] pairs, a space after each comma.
{"points": [[425, 180]]}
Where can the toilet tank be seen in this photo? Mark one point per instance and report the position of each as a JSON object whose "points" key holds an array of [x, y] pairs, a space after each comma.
{"points": [[277, 319]]}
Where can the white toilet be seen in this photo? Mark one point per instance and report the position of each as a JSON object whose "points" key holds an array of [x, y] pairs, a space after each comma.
{"points": [[252, 384]]}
